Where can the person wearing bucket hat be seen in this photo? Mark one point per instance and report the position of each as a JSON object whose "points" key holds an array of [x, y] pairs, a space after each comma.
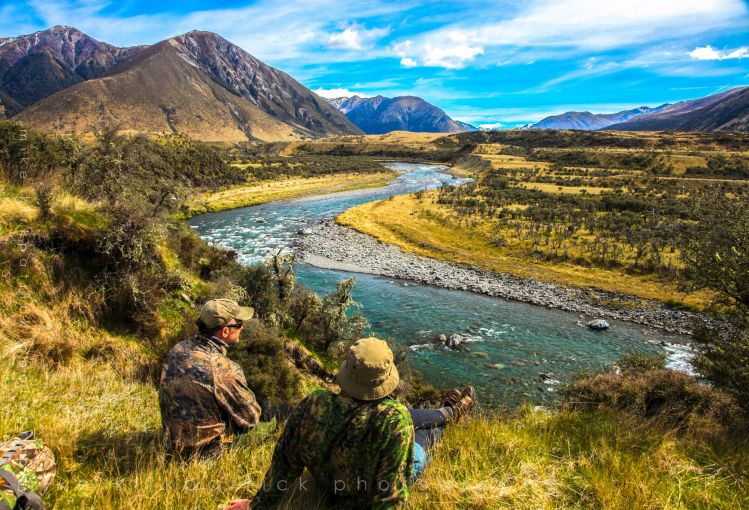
{"points": [[203, 395], [359, 444]]}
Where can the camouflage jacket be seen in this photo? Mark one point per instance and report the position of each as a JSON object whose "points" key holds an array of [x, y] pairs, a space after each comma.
{"points": [[203, 396], [361, 453]]}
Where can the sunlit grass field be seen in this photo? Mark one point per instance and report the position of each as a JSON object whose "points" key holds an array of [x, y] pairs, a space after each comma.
{"points": [[432, 231], [257, 193], [104, 429]]}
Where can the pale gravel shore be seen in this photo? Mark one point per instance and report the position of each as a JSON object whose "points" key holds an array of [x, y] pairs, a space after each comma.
{"points": [[332, 246]]}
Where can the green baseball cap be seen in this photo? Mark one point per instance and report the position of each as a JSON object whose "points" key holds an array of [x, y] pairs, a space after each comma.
{"points": [[218, 312]]}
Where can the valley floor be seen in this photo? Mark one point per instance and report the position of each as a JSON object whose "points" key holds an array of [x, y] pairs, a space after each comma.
{"points": [[426, 233]]}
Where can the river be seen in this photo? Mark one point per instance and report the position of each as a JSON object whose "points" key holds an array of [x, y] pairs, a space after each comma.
{"points": [[518, 352]]}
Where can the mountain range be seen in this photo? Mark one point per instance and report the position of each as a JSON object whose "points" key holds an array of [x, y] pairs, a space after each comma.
{"points": [[202, 85], [196, 83], [726, 111], [377, 115], [587, 121]]}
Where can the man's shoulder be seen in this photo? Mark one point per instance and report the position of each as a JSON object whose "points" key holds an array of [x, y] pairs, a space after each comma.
{"points": [[191, 355], [393, 410]]}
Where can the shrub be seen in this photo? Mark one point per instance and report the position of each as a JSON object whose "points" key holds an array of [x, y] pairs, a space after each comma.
{"points": [[637, 362], [669, 398], [263, 359], [724, 358], [44, 199]]}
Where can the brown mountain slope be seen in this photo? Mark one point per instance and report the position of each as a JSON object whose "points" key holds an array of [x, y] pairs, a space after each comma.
{"points": [[198, 84], [727, 111], [37, 65]]}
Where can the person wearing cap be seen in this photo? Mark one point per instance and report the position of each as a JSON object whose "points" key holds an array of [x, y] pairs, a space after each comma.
{"points": [[358, 445], [203, 395]]}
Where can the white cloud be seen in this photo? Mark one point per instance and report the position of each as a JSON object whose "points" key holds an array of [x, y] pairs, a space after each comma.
{"points": [[450, 56], [341, 92], [356, 37], [495, 125], [271, 31], [710, 53], [408, 62], [558, 26]]}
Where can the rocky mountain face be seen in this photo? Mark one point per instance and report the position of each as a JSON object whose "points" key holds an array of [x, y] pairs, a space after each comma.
{"points": [[588, 121], [377, 115], [196, 83], [37, 65], [727, 111]]}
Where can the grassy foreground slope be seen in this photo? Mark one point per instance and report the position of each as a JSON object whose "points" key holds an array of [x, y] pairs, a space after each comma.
{"points": [[104, 430]]}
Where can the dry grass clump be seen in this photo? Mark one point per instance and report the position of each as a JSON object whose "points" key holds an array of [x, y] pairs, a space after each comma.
{"points": [[668, 398], [50, 337]]}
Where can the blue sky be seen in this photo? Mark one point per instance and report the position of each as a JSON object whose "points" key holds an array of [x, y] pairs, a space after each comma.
{"points": [[498, 63]]}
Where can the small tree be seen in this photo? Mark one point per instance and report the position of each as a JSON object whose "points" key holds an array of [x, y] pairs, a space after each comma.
{"points": [[331, 324], [715, 252]]}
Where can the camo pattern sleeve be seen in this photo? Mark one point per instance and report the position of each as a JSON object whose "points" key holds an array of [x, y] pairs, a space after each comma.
{"points": [[359, 453], [234, 397], [286, 465], [395, 465]]}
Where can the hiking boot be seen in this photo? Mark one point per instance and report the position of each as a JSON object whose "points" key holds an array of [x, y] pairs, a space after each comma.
{"points": [[460, 401]]}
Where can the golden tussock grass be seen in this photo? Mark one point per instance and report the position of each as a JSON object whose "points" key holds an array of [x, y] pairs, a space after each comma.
{"points": [[424, 234], [285, 189]]}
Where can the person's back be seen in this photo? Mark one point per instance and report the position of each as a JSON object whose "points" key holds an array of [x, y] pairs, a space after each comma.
{"points": [[360, 452]]}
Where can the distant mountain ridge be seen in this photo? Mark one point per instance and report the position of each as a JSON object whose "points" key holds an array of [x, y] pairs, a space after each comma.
{"points": [[379, 114], [37, 65], [588, 121], [726, 111], [197, 83]]}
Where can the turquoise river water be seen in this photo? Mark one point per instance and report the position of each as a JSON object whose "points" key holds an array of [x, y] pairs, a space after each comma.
{"points": [[512, 344]]}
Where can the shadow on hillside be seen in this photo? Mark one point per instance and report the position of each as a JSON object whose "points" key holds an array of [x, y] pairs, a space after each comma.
{"points": [[120, 454]]}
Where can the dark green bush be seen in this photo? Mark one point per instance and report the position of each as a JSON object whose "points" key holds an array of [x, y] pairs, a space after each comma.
{"points": [[263, 358]]}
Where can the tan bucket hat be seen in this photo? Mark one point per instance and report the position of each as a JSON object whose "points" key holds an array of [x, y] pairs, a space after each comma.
{"points": [[218, 312], [369, 372]]}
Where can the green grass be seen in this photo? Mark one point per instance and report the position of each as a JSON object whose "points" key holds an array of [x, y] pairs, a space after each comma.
{"points": [[104, 429], [578, 460]]}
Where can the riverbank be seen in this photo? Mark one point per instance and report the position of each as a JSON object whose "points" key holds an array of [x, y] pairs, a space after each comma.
{"points": [[332, 246], [257, 193]]}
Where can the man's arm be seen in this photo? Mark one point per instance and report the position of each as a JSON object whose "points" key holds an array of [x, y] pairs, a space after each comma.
{"points": [[233, 395], [395, 465], [286, 466]]}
